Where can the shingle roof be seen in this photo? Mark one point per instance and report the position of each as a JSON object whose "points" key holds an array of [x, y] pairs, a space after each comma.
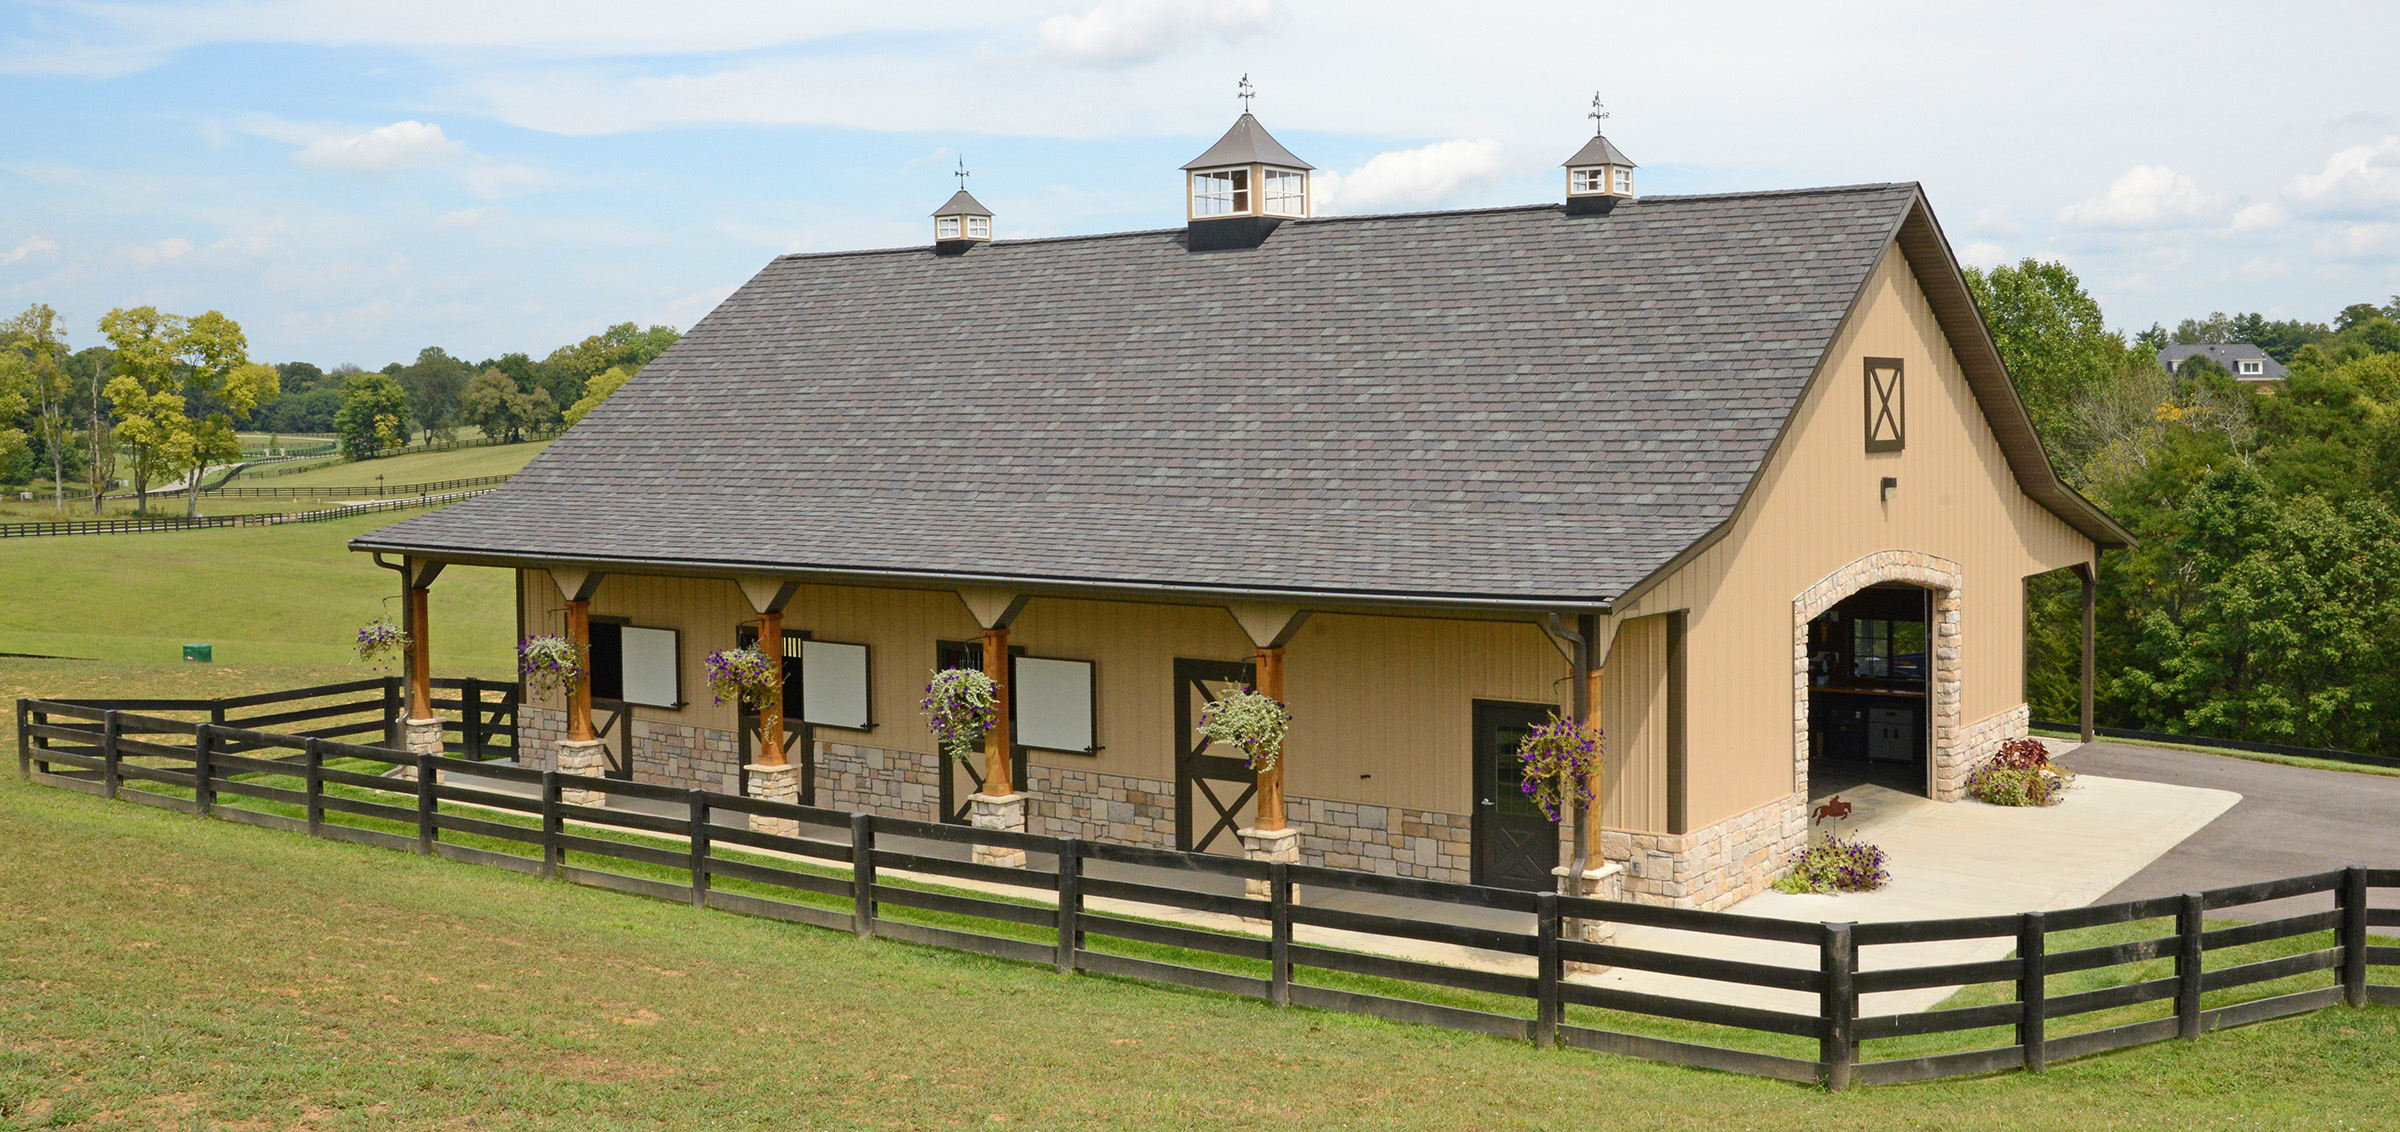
{"points": [[961, 204], [1510, 404], [2225, 354], [1599, 151], [1246, 142]]}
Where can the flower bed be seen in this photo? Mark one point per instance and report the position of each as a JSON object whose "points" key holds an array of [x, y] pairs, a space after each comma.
{"points": [[1836, 865], [2021, 774]]}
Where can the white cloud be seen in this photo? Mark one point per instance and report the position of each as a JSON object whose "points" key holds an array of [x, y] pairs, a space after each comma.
{"points": [[1984, 254], [173, 247], [29, 247], [2265, 214], [1122, 33], [2147, 196], [383, 151], [2373, 242], [2361, 179], [1425, 177]]}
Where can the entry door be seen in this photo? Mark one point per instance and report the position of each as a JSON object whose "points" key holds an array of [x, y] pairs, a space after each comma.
{"points": [[1216, 792], [1515, 845]]}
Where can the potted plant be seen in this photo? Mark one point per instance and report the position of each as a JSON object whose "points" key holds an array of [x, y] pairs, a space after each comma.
{"points": [[1559, 758], [381, 643], [961, 704], [550, 664], [746, 674], [1250, 720]]}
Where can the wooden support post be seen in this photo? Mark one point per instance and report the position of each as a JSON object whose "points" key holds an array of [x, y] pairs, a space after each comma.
{"points": [[2353, 903], [770, 709], [427, 804], [420, 655], [579, 692], [1546, 970], [2189, 956], [2033, 988], [110, 780], [203, 774], [551, 823], [313, 777], [1837, 1005], [697, 804], [2091, 589], [1279, 933], [999, 780], [1070, 902], [1271, 816], [862, 873]]}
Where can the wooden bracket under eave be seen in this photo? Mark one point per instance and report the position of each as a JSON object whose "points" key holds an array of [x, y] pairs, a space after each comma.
{"points": [[993, 608], [768, 595], [576, 583], [1269, 626], [420, 572]]}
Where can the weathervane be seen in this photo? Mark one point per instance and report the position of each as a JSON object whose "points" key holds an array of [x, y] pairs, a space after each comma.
{"points": [[1599, 113], [962, 173], [1248, 92]]}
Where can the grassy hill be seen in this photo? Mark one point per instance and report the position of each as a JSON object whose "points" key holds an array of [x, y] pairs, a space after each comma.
{"points": [[412, 467]]}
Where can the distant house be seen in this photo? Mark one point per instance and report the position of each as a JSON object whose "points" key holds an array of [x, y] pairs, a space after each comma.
{"points": [[2246, 362]]}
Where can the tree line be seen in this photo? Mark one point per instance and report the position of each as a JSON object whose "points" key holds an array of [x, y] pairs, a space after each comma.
{"points": [[159, 400], [2268, 571]]}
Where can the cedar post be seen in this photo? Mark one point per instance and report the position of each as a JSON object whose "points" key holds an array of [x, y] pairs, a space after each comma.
{"points": [[579, 692], [420, 655], [2091, 587], [1269, 662], [999, 781], [770, 708]]}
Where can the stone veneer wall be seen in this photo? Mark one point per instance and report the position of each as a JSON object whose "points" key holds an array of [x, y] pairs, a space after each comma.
{"points": [[1715, 867], [1978, 742], [871, 780], [1930, 571], [664, 754]]}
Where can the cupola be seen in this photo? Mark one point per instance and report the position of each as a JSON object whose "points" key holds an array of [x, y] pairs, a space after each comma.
{"points": [[962, 222], [1599, 175], [1245, 185]]}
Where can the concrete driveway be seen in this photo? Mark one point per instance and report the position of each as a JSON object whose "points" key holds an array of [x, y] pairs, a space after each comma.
{"points": [[2290, 821]]}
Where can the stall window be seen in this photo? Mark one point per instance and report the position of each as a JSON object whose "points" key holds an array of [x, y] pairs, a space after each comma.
{"points": [[1054, 704], [636, 665]]}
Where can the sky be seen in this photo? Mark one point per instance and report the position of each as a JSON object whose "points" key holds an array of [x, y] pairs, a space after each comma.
{"points": [[355, 180]]}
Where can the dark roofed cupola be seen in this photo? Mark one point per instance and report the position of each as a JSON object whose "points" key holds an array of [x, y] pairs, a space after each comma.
{"points": [[962, 222], [1245, 185], [1599, 175]]}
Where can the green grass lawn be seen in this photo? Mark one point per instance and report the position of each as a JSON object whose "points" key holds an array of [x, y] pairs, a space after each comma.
{"points": [[410, 467], [262, 595]]}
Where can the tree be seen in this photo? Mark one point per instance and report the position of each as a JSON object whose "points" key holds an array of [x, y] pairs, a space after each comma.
{"points": [[2050, 335], [434, 385], [224, 387], [33, 342], [143, 402], [373, 417], [623, 346], [494, 404], [596, 391], [2215, 330]]}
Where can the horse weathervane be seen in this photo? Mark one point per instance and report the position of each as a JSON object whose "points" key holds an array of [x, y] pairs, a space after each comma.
{"points": [[962, 173], [1599, 113], [1248, 92]]}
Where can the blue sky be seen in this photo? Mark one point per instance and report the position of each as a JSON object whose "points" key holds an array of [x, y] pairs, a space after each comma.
{"points": [[353, 181]]}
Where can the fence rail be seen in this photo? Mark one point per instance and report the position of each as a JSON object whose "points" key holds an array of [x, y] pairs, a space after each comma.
{"points": [[2222, 744], [367, 491], [176, 523], [1223, 924]]}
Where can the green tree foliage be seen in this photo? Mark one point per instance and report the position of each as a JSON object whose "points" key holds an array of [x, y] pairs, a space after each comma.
{"points": [[595, 391], [495, 404], [179, 387], [435, 385], [2051, 335], [623, 346], [374, 416], [33, 350]]}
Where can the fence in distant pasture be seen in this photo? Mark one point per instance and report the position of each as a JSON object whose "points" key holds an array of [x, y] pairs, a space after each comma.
{"points": [[359, 491], [2222, 744], [1188, 919], [180, 523]]}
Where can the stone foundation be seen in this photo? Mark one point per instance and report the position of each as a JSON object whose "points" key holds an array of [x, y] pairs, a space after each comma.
{"points": [[775, 784], [1714, 867], [588, 759], [871, 780], [1978, 742], [1002, 812], [686, 757], [1267, 845], [421, 736]]}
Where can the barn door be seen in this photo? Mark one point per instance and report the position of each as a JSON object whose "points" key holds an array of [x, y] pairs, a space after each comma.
{"points": [[1516, 846], [1216, 792]]}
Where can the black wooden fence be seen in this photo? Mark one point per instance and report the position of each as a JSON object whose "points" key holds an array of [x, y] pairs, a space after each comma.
{"points": [[180, 523], [2222, 744], [361, 491], [902, 880]]}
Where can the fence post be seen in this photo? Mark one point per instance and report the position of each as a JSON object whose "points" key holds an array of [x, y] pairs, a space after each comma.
{"points": [[1837, 1005], [2033, 988], [2188, 955], [426, 803], [1546, 970], [1070, 902], [2353, 903], [24, 742], [699, 854], [204, 795], [470, 716], [550, 825], [1279, 940], [391, 712], [313, 759], [862, 873], [110, 728]]}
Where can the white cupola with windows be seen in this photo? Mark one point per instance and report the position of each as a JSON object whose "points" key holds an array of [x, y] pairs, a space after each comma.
{"points": [[1245, 185], [962, 221], [1599, 175]]}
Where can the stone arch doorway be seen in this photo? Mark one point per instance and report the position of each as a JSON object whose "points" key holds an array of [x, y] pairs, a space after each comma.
{"points": [[1940, 578]]}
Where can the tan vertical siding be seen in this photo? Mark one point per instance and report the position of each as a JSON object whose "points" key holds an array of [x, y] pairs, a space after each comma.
{"points": [[1633, 710], [1817, 508]]}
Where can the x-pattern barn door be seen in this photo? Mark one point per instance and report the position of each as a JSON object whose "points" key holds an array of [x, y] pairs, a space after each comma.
{"points": [[1887, 406], [1215, 790]]}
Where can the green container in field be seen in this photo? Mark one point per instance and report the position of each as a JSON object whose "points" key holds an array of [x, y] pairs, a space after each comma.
{"points": [[200, 654]]}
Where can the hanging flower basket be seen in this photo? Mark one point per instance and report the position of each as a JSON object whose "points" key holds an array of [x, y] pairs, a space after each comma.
{"points": [[961, 704], [1250, 720], [550, 664], [381, 644], [1559, 758], [745, 674]]}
